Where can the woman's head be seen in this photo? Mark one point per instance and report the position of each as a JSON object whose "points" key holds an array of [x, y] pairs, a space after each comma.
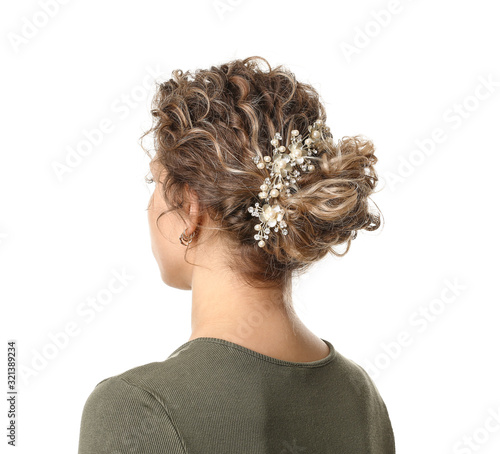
{"points": [[207, 127]]}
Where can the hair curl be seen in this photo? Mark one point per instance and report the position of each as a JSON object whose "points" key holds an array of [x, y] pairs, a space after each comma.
{"points": [[208, 125]]}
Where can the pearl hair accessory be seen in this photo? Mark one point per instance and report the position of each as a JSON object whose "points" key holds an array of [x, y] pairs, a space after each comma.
{"points": [[282, 177]]}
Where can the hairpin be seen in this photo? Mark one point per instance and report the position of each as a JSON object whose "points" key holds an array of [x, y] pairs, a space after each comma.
{"points": [[283, 174]]}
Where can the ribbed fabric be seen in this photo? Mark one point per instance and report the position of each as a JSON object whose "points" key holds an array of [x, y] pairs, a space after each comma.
{"points": [[212, 396]]}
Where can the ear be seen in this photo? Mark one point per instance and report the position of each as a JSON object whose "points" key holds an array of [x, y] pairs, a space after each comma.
{"points": [[191, 208]]}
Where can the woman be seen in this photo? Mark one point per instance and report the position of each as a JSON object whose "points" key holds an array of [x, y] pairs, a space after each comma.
{"points": [[250, 190]]}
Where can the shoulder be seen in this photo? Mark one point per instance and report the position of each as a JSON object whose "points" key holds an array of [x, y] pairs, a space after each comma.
{"points": [[120, 415], [367, 402], [356, 377]]}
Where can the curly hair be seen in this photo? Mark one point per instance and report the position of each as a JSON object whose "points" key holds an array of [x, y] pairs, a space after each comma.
{"points": [[207, 127]]}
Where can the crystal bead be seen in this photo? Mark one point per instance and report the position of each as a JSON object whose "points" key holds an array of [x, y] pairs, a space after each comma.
{"points": [[256, 236], [267, 230], [285, 232]]}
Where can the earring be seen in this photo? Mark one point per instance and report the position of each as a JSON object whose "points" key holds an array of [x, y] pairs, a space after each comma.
{"points": [[185, 240]]}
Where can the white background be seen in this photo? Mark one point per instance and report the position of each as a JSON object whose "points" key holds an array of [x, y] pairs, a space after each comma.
{"points": [[410, 77]]}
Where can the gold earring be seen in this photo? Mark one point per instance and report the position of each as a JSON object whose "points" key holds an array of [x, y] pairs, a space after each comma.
{"points": [[185, 240]]}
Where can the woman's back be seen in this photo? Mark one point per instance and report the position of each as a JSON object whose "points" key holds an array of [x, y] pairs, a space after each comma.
{"points": [[215, 396], [250, 191]]}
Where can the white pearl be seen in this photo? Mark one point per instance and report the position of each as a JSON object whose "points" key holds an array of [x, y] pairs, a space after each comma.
{"points": [[315, 134], [319, 122], [262, 243], [279, 185], [274, 142], [260, 165], [310, 167], [282, 148], [295, 132], [262, 195], [264, 187], [274, 192], [267, 158], [308, 141], [257, 227]]}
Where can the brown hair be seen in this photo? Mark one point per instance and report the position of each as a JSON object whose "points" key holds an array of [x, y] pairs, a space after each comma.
{"points": [[207, 127]]}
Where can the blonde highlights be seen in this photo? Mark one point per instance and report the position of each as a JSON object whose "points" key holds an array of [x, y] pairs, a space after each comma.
{"points": [[207, 127]]}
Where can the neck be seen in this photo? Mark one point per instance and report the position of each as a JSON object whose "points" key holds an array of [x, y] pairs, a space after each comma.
{"points": [[225, 307]]}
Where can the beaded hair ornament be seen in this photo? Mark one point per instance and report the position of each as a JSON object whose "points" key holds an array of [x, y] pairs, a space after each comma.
{"points": [[283, 174]]}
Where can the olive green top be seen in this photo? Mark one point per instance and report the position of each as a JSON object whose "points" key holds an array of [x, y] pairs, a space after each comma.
{"points": [[212, 396]]}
